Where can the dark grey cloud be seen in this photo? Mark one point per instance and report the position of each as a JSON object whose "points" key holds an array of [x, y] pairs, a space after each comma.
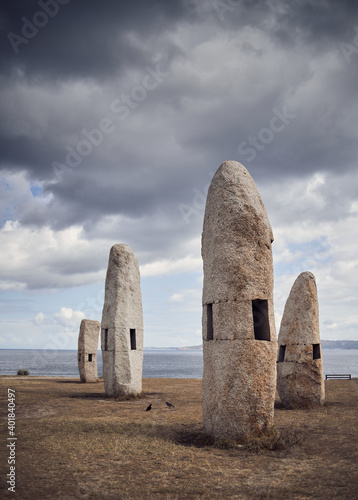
{"points": [[91, 39], [227, 79], [316, 22]]}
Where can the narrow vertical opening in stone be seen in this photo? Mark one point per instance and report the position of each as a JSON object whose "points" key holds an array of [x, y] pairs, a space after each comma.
{"points": [[209, 322], [316, 351], [106, 339], [133, 339], [260, 318], [90, 358], [79, 357], [281, 354]]}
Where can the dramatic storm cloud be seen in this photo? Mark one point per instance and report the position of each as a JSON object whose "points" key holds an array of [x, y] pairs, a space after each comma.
{"points": [[115, 115]]}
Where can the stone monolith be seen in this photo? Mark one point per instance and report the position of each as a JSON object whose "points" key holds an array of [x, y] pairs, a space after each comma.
{"points": [[122, 325], [300, 378], [239, 337], [87, 350]]}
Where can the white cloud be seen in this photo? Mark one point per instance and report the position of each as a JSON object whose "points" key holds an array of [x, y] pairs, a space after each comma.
{"points": [[68, 318], [55, 330], [188, 299], [166, 267], [176, 297], [316, 230], [39, 318], [330, 325], [354, 207], [45, 258], [335, 266]]}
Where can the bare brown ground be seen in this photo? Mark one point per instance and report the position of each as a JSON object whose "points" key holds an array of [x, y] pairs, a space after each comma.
{"points": [[73, 443]]}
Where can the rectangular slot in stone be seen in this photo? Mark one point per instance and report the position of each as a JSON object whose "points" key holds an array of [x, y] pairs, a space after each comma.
{"points": [[133, 339], [316, 351], [281, 354], [106, 339], [79, 357], [260, 318], [90, 358], [209, 322]]}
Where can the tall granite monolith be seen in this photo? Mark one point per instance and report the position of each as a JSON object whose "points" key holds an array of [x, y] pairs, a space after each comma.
{"points": [[87, 350], [300, 378], [239, 337], [122, 325]]}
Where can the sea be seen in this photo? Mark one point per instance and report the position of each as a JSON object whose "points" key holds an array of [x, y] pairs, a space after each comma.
{"points": [[156, 363]]}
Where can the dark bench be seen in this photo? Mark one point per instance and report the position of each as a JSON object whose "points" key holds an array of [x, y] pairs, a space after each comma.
{"points": [[339, 376]]}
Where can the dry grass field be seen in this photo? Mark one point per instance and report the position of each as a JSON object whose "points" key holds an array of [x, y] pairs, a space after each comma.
{"points": [[73, 443]]}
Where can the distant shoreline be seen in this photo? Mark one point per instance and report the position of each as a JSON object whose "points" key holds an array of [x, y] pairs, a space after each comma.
{"points": [[339, 344], [326, 344]]}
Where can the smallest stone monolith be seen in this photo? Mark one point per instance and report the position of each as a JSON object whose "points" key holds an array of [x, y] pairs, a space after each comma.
{"points": [[87, 350], [300, 379]]}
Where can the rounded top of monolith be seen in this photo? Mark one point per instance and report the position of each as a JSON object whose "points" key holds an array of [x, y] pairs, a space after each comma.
{"points": [[300, 320], [122, 259], [237, 237], [123, 299], [121, 249], [235, 180]]}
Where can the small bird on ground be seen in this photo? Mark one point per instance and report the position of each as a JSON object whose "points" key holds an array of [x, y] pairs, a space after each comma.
{"points": [[169, 405], [149, 407]]}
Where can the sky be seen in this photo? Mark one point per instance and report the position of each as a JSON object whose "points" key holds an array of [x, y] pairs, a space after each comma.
{"points": [[114, 118]]}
